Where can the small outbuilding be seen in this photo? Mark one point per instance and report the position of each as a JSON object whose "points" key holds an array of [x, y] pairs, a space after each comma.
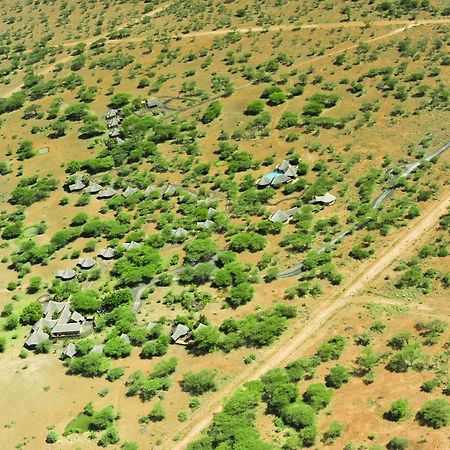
{"points": [[132, 245], [65, 275], [179, 332], [206, 225], [107, 193], [107, 253], [69, 351], [77, 186], [179, 233], [94, 188], [86, 263], [129, 191], [35, 338], [327, 199]]}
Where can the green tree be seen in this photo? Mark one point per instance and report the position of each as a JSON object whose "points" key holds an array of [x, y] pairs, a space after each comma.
{"points": [[200, 250], [398, 443], [2, 344], [317, 395], [337, 377], [240, 294], [206, 339], [86, 302], [254, 108], [116, 347], [117, 298], [398, 411], [298, 415], [158, 413], [90, 365], [197, 383], [31, 313], [212, 112], [435, 413]]}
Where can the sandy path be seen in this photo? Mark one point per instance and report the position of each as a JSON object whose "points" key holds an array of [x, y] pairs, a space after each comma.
{"points": [[284, 349]]}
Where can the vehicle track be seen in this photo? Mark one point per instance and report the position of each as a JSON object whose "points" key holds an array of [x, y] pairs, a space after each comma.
{"points": [[283, 350]]}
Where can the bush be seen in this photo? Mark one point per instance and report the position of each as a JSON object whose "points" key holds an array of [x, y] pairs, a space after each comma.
{"points": [[212, 112], [398, 411], [158, 413], [298, 415], [109, 437], [2, 344], [86, 302], [90, 365], [318, 396], [240, 294], [114, 374], [52, 437], [116, 347], [397, 443], [337, 377], [435, 413], [254, 108], [31, 313], [197, 383]]}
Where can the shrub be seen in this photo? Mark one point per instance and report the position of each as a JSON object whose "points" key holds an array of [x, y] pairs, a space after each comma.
{"points": [[90, 365], [212, 112], [318, 396], [398, 411], [435, 413], [52, 437], [197, 383], [158, 413], [2, 344], [397, 443], [254, 108], [337, 377], [31, 313]]}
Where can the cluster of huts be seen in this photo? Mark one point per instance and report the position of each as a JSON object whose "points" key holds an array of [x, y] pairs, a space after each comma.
{"points": [[284, 173], [58, 321], [180, 335]]}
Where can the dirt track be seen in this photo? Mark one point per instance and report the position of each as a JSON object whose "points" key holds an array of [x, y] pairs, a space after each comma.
{"points": [[283, 350]]}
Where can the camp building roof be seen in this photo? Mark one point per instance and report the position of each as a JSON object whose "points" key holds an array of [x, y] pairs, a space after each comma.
{"points": [[115, 132], [206, 224], [179, 331], [169, 191], [279, 216], [86, 263], [107, 253], [264, 181], [152, 103], [67, 328], [107, 193], [131, 245], [179, 233], [280, 179], [70, 350], [149, 190], [67, 274], [94, 188], [98, 348], [111, 113], [326, 199], [284, 165], [36, 338], [52, 307], [77, 186], [129, 191]]}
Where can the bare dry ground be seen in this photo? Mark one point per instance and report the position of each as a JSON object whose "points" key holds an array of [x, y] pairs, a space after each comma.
{"points": [[170, 46]]}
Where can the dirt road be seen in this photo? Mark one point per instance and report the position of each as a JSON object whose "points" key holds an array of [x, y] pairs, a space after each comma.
{"points": [[283, 350]]}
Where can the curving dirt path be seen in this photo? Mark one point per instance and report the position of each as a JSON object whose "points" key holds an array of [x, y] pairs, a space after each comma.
{"points": [[283, 349]]}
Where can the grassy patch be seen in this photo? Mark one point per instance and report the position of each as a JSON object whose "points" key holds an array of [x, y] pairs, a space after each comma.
{"points": [[78, 425]]}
